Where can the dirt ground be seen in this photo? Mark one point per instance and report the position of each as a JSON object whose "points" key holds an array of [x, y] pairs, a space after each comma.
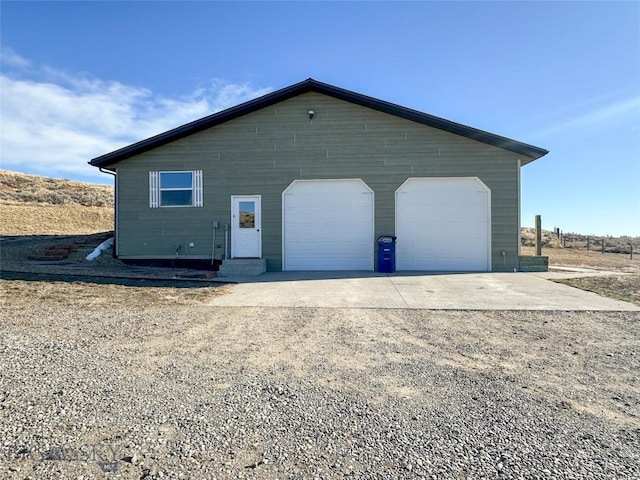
{"points": [[575, 370], [582, 361]]}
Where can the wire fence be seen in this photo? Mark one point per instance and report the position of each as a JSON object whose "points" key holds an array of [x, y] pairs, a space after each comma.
{"points": [[625, 245]]}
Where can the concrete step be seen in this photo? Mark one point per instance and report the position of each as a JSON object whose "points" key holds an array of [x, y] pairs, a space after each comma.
{"points": [[242, 267]]}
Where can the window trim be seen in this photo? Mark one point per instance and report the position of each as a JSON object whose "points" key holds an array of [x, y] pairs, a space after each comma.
{"points": [[155, 189]]}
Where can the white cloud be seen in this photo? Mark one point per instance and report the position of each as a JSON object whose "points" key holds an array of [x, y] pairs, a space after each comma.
{"points": [[627, 109], [53, 122], [10, 59]]}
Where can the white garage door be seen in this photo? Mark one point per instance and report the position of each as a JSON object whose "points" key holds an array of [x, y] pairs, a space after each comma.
{"points": [[328, 225], [443, 224]]}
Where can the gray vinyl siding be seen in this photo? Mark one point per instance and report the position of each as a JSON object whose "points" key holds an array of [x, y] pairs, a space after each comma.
{"points": [[262, 152]]}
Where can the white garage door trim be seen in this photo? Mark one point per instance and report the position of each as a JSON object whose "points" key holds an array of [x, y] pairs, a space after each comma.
{"points": [[340, 238], [460, 239]]}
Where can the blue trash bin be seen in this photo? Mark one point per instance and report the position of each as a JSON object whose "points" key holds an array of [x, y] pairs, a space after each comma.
{"points": [[386, 254]]}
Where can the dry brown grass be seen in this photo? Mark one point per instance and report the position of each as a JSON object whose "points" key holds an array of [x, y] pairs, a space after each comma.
{"points": [[624, 287], [528, 238], [620, 287], [46, 219], [33, 205]]}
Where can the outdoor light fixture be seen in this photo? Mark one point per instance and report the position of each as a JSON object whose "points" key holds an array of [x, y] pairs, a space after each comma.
{"points": [[311, 113]]}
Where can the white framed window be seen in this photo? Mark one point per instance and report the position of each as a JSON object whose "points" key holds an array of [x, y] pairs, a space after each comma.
{"points": [[175, 188]]}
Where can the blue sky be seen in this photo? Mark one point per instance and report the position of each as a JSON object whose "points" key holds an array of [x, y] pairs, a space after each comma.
{"points": [[82, 79]]}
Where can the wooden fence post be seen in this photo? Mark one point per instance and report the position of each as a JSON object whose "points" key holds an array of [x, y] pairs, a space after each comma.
{"points": [[603, 245], [538, 235], [631, 251], [588, 243]]}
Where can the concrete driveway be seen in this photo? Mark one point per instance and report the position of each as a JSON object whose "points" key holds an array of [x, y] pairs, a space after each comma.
{"points": [[474, 291]]}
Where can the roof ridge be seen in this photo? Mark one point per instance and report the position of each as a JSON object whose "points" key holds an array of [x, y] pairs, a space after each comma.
{"points": [[311, 84]]}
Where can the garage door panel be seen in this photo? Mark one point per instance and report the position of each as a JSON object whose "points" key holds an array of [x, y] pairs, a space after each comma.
{"points": [[443, 224], [337, 249], [439, 248], [312, 260], [328, 228], [329, 216], [328, 225], [316, 262]]}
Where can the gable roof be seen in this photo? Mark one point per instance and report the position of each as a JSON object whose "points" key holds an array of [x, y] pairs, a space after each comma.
{"points": [[311, 85]]}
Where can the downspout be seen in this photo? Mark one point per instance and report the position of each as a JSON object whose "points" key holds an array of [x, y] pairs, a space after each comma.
{"points": [[115, 209], [519, 181]]}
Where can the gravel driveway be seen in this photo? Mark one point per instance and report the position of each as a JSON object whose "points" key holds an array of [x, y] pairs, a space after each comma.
{"points": [[151, 383]]}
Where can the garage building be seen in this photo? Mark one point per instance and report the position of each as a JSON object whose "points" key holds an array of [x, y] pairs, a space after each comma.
{"points": [[309, 176]]}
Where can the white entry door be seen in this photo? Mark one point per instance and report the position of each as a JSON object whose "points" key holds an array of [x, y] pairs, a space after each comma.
{"points": [[246, 239]]}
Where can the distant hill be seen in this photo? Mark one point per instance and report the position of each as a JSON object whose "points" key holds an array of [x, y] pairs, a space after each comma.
{"points": [[34, 205], [23, 188]]}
